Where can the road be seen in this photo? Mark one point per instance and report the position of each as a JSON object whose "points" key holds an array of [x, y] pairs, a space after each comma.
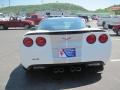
{"points": [[13, 77]]}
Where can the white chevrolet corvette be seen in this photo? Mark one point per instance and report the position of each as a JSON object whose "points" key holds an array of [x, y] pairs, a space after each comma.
{"points": [[62, 42]]}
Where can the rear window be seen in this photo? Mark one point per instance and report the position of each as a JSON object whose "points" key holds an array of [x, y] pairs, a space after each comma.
{"points": [[34, 16], [62, 24]]}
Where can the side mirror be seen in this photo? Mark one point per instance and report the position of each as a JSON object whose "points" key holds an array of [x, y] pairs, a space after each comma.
{"points": [[88, 26], [33, 28]]}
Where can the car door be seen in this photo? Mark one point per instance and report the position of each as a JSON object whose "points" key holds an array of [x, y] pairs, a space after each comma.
{"points": [[14, 22]]}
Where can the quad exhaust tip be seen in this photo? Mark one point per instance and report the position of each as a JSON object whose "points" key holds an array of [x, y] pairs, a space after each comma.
{"points": [[78, 69], [61, 70], [58, 70], [74, 69], [55, 70]]}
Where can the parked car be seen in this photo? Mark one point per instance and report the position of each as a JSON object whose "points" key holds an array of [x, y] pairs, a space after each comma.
{"points": [[14, 22], [108, 22], [85, 17], [65, 42], [35, 18], [94, 17], [115, 20], [102, 19], [116, 29]]}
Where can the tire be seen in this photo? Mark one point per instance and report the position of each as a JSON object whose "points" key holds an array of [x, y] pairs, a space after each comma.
{"points": [[28, 70], [103, 24], [110, 26], [2, 27], [6, 28], [99, 68], [117, 31], [26, 26]]}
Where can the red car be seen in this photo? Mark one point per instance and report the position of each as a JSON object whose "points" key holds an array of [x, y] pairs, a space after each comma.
{"points": [[14, 22], [35, 18]]}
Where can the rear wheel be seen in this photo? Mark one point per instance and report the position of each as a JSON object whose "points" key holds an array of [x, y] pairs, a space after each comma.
{"points": [[103, 24], [28, 70], [2, 27], [118, 32], [6, 28], [110, 26], [26, 26]]}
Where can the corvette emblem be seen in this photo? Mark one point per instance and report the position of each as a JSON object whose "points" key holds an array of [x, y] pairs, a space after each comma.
{"points": [[66, 38]]}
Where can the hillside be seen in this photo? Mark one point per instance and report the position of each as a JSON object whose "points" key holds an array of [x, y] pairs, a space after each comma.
{"points": [[49, 6], [108, 9]]}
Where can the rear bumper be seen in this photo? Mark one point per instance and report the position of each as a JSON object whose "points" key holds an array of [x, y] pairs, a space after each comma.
{"points": [[80, 64]]}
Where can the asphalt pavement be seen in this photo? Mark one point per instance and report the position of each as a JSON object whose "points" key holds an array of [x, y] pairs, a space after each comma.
{"points": [[14, 77]]}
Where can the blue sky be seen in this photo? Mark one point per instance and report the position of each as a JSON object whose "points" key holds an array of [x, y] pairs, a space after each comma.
{"points": [[88, 4]]}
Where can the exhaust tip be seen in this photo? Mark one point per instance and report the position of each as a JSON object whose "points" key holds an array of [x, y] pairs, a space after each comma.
{"points": [[55, 70], [78, 69], [72, 69], [61, 70], [58, 70]]}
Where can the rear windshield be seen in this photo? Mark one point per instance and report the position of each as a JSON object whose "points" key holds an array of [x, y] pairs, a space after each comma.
{"points": [[61, 24]]}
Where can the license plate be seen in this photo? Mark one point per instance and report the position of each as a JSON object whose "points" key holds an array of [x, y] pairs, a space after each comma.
{"points": [[67, 52]]}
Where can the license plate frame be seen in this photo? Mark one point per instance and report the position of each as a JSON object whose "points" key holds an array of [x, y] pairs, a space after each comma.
{"points": [[67, 52]]}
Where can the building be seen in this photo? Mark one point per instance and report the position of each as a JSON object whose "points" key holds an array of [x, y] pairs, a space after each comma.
{"points": [[116, 9]]}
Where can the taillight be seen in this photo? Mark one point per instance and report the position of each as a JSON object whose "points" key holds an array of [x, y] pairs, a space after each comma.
{"points": [[40, 41], [103, 38], [28, 42], [91, 39]]}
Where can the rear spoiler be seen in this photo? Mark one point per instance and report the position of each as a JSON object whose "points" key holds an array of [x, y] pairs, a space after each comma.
{"points": [[63, 32]]}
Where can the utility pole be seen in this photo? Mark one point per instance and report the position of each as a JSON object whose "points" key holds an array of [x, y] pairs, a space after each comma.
{"points": [[57, 1], [9, 3]]}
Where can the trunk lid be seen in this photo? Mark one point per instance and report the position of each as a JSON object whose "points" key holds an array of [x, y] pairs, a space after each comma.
{"points": [[66, 46]]}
